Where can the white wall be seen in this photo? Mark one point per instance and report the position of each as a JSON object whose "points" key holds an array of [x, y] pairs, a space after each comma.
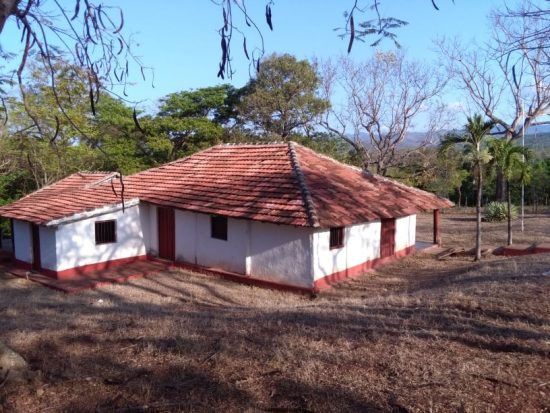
{"points": [[76, 241], [195, 245], [361, 244], [405, 232], [148, 219], [22, 240], [48, 256], [281, 253]]}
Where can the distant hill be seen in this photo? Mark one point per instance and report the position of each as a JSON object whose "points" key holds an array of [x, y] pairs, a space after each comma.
{"points": [[538, 139]]}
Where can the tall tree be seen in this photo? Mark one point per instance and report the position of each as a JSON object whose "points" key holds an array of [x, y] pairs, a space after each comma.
{"points": [[384, 96], [374, 28], [512, 160], [195, 119], [476, 154], [283, 98], [507, 79], [88, 35]]}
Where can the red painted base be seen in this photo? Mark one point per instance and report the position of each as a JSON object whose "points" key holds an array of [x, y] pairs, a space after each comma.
{"points": [[323, 283], [82, 271], [360, 269]]}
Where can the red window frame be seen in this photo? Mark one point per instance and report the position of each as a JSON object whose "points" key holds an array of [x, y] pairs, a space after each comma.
{"points": [[103, 232], [336, 238]]}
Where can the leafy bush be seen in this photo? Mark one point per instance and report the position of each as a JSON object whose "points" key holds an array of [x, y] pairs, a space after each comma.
{"points": [[498, 211]]}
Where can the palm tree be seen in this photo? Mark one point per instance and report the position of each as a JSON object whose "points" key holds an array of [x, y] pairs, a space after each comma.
{"points": [[472, 141], [511, 160]]}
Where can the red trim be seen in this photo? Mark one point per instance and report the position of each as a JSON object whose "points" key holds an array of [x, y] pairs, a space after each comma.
{"points": [[541, 248], [360, 269], [320, 284], [519, 249], [86, 269]]}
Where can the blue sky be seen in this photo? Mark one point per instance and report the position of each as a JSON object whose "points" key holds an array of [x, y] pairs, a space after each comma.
{"points": [[179, 37]]}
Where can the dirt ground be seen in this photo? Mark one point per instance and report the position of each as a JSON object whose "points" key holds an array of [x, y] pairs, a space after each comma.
{"points": [[417, 335]]}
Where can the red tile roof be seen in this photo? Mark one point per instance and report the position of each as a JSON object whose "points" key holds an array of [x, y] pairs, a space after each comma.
{"points": [[280, 183], [78, 192]]}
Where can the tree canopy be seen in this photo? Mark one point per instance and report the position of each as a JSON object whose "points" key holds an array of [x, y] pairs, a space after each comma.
{"points": [[283, 97]]}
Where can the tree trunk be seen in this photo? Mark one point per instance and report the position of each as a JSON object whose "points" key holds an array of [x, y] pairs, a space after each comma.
{"points": [[459, 196], [478, 213], [7, 8], [500, 190], [509, 196]]}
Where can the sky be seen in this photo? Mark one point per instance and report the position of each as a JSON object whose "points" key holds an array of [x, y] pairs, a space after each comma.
{"points": [[179, 39]]}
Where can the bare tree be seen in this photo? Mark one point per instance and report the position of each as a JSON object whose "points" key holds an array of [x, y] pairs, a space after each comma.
{"points": [[383, 97], [374, 27], [533, 35], [508, 79], [89, 35]]}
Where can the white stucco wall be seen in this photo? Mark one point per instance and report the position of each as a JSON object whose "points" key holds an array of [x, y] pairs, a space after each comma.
{"points": [[76, 241], [195, 245], [148, 219], [48, 255], [281, 253], [405, 232], [361, 244], [22, 240]]}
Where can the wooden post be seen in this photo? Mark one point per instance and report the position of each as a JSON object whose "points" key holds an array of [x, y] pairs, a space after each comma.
{"points": [[437, 233], [12, 239]]}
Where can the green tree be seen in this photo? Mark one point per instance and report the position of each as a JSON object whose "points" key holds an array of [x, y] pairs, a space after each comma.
{"points": [[195, 119], [512, 161], [475, 152], [282, 99], [123, 146], [448, 174], [45, 140]]}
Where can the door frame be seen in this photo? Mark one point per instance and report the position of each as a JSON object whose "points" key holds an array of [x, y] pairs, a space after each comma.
{"points": [[166, 230], [35, 239], [387, 237]]}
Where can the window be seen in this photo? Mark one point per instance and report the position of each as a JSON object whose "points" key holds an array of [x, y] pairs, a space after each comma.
{"points": [[218, 227], [105, 232], [336, 237]]}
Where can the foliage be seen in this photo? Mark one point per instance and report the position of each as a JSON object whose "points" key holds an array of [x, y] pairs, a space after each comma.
{"points": [[448, 174], [498, 211], [90, 36], [282, 99], [475, 152]]}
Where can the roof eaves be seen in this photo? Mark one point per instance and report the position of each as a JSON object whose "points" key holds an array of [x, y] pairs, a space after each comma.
{"points": [[90, 213], [313, 220]]}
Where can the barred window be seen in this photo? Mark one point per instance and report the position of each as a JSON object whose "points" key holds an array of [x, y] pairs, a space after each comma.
{"points": [[218, 227], [336, 237], [105, 232]]}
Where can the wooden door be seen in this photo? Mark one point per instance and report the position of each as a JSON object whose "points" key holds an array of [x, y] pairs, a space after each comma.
{"points": [[167, 233], [387, 238], [36, 264]]}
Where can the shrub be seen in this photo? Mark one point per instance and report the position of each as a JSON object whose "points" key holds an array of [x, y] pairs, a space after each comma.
{"points": [[498, 211]]}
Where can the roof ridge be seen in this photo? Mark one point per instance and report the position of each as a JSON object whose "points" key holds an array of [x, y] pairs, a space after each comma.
{"points": [[306, 195], [49, 185], [322, 155], [370, 174], [179, 160], [256, 143], [104, 179]]}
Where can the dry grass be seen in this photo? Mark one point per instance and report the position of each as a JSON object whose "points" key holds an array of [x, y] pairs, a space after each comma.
{"points": [[418, 334]]}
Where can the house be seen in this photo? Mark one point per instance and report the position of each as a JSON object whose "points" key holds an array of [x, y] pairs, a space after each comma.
{"points": [[278, 214]]}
